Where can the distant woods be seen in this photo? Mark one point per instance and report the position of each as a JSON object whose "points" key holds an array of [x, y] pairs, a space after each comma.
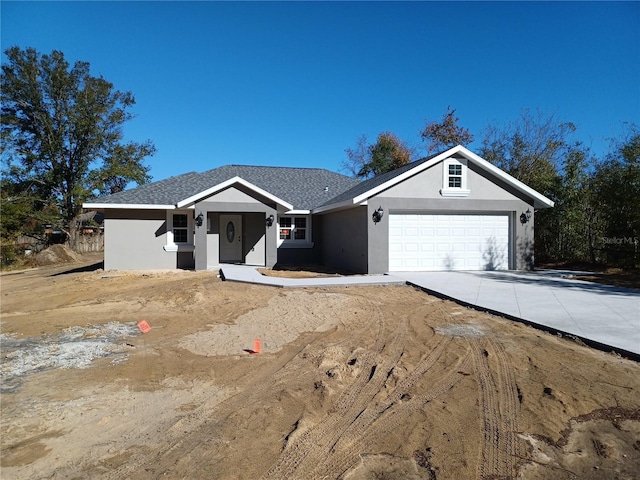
{"points": [[596, 218]]}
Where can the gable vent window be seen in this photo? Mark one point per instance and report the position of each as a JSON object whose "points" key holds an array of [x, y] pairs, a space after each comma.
{"points": [[454, 178]]}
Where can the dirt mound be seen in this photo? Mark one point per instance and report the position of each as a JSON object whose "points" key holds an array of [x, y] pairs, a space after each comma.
{"points": [[57, 254]]}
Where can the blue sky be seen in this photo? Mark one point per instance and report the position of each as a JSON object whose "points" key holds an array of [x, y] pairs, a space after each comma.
{"points": [[294, 84]]}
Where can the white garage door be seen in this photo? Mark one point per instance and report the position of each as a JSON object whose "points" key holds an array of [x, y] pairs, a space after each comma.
{"points": [[448, 242]]}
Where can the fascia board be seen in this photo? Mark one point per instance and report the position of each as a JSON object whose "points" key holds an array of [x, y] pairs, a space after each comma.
{"points": [[334, 206], [297, 212], [544, 202], [127, 206], [228, 183]]}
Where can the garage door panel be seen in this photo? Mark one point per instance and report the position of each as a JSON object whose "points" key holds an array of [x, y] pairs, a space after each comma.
{"points": [[395, 247], [458, 247], [411, 248], [448, 242]]}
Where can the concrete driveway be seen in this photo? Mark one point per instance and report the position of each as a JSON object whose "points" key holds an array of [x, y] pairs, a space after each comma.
{"points": [[599, 314]]}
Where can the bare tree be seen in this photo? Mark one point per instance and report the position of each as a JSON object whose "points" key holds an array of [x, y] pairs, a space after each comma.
{"points": [[445, 134]]}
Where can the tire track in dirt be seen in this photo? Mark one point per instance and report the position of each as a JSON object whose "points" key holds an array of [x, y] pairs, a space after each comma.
{"points": [[302, 453], [199, 445], [499, 410], [346, 425], [387, 416], [203, 433], [372, 320]]}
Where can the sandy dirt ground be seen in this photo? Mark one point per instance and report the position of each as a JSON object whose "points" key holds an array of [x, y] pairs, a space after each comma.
{"points": [[354, 383]]}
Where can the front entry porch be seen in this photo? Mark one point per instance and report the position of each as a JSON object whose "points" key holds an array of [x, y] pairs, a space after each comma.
{"points": [[234, 237]]}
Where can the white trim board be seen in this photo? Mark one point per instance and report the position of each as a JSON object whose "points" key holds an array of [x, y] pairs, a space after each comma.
{"points": [[128, 206]]}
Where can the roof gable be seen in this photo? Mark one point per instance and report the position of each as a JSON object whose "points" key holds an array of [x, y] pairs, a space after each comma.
{"points": [[369, 188], [232, 181]]}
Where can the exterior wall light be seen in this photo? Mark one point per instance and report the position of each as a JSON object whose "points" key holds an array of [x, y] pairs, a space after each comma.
{"points": [[376, 216], [525, 216], [199, 220], [270, 220]]}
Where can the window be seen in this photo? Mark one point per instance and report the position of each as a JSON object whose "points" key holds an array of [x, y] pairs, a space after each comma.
{"points": [[294, 230], [180, 231], [285, 228], [454, 178], [180, 228], [300, 231]]}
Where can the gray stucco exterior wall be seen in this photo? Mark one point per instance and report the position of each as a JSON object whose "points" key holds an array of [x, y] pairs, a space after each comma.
{"points": [[344, 240], [306, 255], [135, 240]]}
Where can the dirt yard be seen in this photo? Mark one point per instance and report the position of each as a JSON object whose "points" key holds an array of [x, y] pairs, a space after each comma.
{"points": [[352, 383]]}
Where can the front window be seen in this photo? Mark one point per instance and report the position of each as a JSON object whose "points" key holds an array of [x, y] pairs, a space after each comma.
{"points": [[293, 229], [300, 231], [180, 228], [180, 231], [285, 228]]}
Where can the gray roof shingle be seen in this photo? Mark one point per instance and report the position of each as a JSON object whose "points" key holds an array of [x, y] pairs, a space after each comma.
{"points": [[304, 188], [372, 183]]}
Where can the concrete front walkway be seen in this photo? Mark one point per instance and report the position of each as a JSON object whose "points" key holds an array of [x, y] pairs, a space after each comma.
{"points": [[247, 274], [602, 314]]}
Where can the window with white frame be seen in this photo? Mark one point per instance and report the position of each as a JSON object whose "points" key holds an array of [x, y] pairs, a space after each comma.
{"points": [[293, 230], [455, 176], [285, 228], [180, 226], [300, 228], [179, 231], [454, 179]]}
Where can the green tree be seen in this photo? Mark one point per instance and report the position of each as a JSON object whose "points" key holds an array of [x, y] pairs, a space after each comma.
{"points": [[445, 134], [538, 150], [368, 160], [62, 132], [616, 186], [570, 228]]}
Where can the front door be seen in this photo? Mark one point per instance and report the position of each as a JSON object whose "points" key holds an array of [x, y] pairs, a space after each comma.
{"points": [[230, 238]]}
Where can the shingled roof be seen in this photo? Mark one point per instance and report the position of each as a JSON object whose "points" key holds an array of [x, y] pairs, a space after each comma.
{"points": [[311, 189], [372, 183], [304, 188]]}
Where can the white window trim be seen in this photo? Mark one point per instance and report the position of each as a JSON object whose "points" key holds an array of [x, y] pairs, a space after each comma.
{"points": [[293, 243], [170, 245], [448, 191]]}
